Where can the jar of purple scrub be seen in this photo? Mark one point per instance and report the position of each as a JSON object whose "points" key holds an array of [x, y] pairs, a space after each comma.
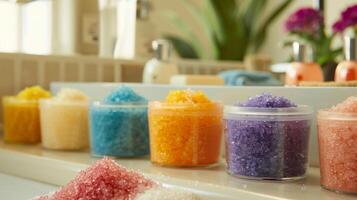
{"points": [[267, 138]]}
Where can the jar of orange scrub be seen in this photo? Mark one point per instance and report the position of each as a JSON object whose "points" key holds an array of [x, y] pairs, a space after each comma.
{"points": [[22, 117], [185, 130], [64, 121]]}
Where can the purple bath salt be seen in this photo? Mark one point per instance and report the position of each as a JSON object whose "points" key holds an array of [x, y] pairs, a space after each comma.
{"points": [[267, 138]]}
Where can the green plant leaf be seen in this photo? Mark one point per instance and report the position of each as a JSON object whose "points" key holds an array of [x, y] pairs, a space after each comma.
{"points": [[213, 20], [252, 11], [204, 24], [187, 32], [261, 33], [234, 44], [182, 47]]}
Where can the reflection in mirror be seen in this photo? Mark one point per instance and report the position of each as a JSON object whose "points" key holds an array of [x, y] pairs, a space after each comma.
{"points": [[249, 34]]}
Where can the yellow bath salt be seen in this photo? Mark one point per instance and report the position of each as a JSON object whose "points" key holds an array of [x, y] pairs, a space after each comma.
{"points": [[185, 129], [64, 120], [21, 115]]}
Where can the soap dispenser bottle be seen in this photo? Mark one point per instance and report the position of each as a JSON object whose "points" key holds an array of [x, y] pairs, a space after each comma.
{"points": [[303, 68], [347, 69], [160, 69]]}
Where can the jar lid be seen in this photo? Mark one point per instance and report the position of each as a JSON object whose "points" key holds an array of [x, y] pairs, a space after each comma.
{"points": [[280, 114], [55, 101]]}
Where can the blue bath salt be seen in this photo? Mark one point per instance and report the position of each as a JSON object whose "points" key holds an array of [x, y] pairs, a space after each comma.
{"points": [[124, 95], [119, 125]]}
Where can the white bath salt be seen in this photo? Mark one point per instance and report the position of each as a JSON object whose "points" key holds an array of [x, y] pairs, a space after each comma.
{"points": [[64, 121], [68, 94], [161, 193]]}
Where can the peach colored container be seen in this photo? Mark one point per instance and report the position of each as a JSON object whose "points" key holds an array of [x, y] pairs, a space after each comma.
{"points": [[346, 71], [303, 72], [64, 124], [185, 135], [337, 135]]}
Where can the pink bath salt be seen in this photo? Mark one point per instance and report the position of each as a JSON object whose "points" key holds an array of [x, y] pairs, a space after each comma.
{"points": [[105, 180], [347, 106], [41, 198]]}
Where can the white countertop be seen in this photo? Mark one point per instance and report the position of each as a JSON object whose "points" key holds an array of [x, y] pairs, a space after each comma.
{"points": [[15, 188], [57, 168]]}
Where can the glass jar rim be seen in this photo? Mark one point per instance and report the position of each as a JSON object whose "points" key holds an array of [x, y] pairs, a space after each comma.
{"points": [[183, 105], [19, 100], [239, 110], [54, 100], [127, 105], [328, 114]]}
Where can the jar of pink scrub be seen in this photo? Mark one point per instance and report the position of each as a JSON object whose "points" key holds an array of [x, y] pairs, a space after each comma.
{"points": [[337, 136]]}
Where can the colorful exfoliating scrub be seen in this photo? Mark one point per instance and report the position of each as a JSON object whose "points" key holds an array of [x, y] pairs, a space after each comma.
{"points": [[119, 125], [267, 137], [185, 130], [22, 117], [64, 120], [106, 180], [337, 134]]}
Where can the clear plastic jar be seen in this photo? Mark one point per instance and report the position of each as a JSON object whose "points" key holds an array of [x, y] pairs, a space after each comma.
{"points": [[337, 135], [119, 130], [185, 135], [64, 124], [267, 143], [21, 120]]}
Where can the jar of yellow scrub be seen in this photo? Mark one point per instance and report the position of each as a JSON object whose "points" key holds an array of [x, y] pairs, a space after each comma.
{"points": [[64, 121], [22, 116]]}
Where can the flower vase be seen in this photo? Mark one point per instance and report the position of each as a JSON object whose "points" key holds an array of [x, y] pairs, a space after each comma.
{"points": [[329, 70]]}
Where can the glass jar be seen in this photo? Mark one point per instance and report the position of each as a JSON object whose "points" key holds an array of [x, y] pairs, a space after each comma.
{"points": [[119, 130], [185, 135], [21, 120], [337, 136], [64, 124], [267, 143]]}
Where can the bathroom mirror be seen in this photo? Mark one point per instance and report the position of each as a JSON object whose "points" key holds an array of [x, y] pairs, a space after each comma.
{"points": [[234, 30]]}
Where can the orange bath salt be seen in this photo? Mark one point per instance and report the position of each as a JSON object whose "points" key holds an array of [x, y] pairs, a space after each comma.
{"points": [[21, 116], [185, 130]]}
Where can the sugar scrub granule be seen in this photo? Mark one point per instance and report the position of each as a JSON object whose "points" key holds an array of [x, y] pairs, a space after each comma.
{"points": [[124, 95], [120, 130], [161, 193], [33, 93], [266, 100], [187, 96], [185, 129], [347, 106], [337, 135], [105, 180], [267, 147], [68, 94]]}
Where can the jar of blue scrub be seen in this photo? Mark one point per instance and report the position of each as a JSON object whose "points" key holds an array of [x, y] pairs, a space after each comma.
{"points": [[119, 125]]}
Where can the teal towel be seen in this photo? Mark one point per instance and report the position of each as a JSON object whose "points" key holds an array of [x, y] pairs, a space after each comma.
{"points": [[248, 78]]}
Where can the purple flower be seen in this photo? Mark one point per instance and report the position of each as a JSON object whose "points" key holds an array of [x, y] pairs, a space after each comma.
{"points": [[339, 26], [304, 20], [348, 19]]}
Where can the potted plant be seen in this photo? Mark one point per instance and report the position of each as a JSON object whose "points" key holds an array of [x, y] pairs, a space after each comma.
{"points": [[235, 28], [306, 25]]}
